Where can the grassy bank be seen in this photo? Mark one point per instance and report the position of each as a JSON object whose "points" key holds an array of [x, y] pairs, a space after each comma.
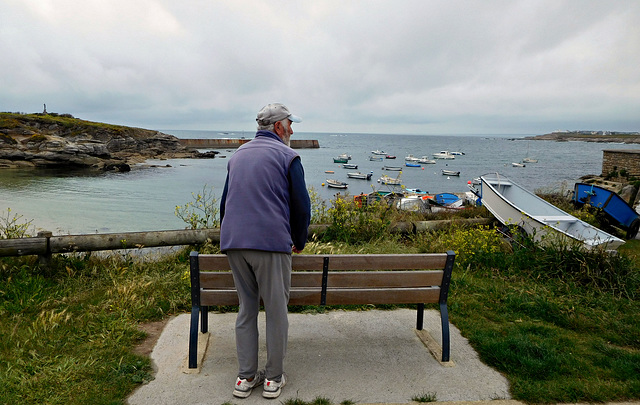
{"points": [[560, 323]]}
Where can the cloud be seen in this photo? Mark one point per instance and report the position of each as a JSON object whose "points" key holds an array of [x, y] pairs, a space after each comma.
{"points": [[360, 66]]}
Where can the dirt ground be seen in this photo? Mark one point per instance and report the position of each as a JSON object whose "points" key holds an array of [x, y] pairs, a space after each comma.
{"points": [[153, 331]]}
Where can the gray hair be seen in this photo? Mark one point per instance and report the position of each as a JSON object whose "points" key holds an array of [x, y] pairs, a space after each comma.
{"points": [[271, 127]]}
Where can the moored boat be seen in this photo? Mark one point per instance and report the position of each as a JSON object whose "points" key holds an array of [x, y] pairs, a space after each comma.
{"points": [[384, 179], [350, 166], [450, 172], [378, 152], [336, 183], [389, 157], [424, 160], [375, 158], [340, 160], [444, 154], [515, 164], [392, 168], [514, 205], [358, 175], [411, 158]]}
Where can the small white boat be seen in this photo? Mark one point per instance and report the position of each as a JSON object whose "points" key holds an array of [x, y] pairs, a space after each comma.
{"points": [[375, 158], [344, 156], [392, 168], [450, 172], [529, 159], [444, 154], [424, 160], [358, 175], [349, 166], [514, 164], [411, 158], [378, 152], [512, 204], [336, 183], [414, 203], [384, 179], [457, 153]]}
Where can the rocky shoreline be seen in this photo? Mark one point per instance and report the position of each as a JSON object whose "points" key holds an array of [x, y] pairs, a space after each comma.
{"points": [[582, 136], [62, 141]]}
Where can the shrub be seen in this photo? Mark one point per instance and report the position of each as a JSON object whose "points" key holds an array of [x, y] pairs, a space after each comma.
{"points": [[353, 224], [12, 226], [202, 212]]}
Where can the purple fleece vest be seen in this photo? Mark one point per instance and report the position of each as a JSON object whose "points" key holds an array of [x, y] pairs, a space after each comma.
{"points": [[257, 204]]}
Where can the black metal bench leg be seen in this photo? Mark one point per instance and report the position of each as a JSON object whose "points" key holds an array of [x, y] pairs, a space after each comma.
{"points": [[444, 318], [193, 337], [420, 317], [204, 319]]}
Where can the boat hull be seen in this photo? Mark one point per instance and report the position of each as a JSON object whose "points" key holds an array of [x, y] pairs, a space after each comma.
{"points": [[512, 204], [336, 184], [611, 204], [361, 176], [450, 173]]}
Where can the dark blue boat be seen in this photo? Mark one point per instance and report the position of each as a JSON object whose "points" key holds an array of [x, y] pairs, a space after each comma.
{"points": [[611, 204]]}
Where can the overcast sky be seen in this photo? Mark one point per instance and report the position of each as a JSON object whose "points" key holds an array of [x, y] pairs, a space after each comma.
{"points": [[387, 66]]}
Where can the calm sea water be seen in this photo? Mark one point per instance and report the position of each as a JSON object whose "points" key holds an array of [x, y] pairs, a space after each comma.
{"points": [[144, 199]]}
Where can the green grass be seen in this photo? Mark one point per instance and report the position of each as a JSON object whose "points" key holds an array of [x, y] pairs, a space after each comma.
{"points": [[560, 323], [68, 339]]}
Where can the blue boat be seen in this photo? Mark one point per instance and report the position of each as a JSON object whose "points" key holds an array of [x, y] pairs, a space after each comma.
{"points": [[448, 199], [412, 164], [614, 207]]}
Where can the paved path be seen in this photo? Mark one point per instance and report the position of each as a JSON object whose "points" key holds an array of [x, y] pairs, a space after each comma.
{"points": [[364, 356]]}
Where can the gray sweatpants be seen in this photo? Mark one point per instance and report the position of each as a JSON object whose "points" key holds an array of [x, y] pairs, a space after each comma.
{"points": [[265, 275]]}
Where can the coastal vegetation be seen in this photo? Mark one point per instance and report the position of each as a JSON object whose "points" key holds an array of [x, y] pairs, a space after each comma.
{"points": [[559, 322]]}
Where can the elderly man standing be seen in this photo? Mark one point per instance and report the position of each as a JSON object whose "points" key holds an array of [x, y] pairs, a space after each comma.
{"points": [[265, 212]]}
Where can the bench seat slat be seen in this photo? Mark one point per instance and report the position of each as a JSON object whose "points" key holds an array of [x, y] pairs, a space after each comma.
{"points": [[336, 296], [423, 261], [337, 279]]}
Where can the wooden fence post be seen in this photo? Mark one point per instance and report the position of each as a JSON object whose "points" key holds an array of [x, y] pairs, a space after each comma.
{"points": [[45, 259]]}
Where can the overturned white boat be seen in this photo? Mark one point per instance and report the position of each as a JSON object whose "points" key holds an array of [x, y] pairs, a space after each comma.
{"points": [[512, 204]]}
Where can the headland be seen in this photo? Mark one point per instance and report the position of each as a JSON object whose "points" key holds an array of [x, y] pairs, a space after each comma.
{"points": [[589, 136]]}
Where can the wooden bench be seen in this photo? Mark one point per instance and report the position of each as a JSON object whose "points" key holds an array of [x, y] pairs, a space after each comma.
{"points": [[333, 280]]}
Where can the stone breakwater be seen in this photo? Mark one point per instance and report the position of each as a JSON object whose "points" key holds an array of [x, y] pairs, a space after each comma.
{"points": [[237, 142]]}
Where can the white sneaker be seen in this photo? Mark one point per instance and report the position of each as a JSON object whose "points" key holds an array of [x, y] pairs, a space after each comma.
{"points": [[273, 388], [244, 387]]}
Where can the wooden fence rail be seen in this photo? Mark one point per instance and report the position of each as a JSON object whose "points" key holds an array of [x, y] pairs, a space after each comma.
{"points": [[45, 244]]}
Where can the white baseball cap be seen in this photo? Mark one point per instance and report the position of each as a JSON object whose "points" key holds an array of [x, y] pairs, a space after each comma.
{"points": [[274, 112]]}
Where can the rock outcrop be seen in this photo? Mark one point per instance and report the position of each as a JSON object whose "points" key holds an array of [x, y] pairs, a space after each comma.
{"points": [[52, 140]]}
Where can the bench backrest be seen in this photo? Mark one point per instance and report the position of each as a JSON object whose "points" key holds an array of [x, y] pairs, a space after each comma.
{"points": [[337, 279]]}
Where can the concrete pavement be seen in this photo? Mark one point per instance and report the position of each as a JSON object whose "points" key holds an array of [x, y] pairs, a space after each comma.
{"points": [[369, 357]]}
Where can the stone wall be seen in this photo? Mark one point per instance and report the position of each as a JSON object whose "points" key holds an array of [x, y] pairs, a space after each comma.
{"points": [[229, 143], [621, 159]]}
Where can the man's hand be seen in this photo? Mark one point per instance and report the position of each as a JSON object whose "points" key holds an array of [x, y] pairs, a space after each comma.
{"points": [[295, 250]]}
